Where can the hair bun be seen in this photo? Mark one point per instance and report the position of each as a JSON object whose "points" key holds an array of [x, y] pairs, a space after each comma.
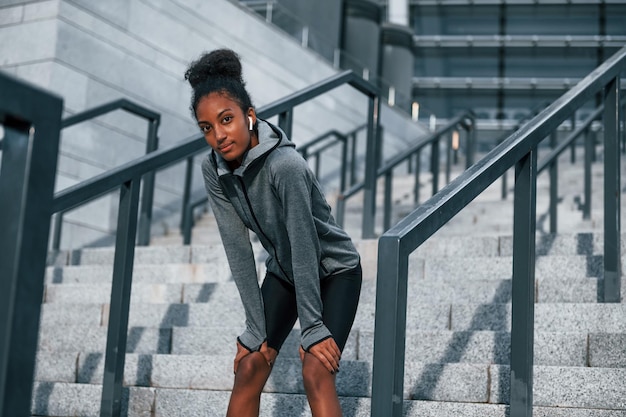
{"points": [[220, 63]]}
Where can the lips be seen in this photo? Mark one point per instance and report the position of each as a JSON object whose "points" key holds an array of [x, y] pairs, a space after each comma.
{"points": [[226, 148]]}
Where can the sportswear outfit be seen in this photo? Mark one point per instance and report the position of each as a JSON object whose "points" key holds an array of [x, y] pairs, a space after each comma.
{"points": [[313, 268]]}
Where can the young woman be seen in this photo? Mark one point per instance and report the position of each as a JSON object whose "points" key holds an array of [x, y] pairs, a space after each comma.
{"points": [[257, 181]]}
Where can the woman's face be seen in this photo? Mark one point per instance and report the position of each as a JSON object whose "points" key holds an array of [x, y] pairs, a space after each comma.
{"points": [[225, 126]]}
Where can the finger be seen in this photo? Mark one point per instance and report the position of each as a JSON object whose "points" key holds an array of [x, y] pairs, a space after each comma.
{"points": [[332, 352], [325, 359]]}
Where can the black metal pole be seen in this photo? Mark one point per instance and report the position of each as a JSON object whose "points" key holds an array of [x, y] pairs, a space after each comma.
{"points": [[554, 186], [344, 164], [587, 173], [388, 204], [111, 403], [56, 231], [147, 199], [285, 122], [369, 197], [186, 191], [434, 165], [32, 120], [612, 194], [523, 286], [418, 167], [389, 329]]}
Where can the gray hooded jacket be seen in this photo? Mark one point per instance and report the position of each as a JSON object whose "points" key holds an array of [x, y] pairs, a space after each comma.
{"points": [[275, 194]]}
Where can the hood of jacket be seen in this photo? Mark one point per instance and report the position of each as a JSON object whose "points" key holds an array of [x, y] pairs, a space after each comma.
{"points": [[270, 138]]}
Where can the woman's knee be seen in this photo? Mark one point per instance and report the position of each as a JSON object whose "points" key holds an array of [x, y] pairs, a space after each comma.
{"points": [[252, 370], [315, 376]]}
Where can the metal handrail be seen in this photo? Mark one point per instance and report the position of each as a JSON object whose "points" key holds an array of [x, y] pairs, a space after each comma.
{"points": [[127, 179], [466, 120], [551, 162], [533, 112], [519, 150], [152, 143], [31, 119]]}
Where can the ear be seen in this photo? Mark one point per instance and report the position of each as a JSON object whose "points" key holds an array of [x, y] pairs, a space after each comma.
{"points": [[251, 118]]}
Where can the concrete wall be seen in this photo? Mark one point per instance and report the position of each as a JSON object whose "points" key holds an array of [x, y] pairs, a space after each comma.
{"points": [[93, 52]]}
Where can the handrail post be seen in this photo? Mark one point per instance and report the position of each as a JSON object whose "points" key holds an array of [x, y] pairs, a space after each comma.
{"points": [[587, 173], [371, 167], [188, 224], [471, 143], [434, 165], [147, 199], [523, 286], [111, 403], [32, 121], [186, 191], [389, 329], [388, 197], [56, 231], [610, 291], [285, 122], [353, 159], [448, 158], [418, 166], [573, 145], [504, 191], [554, 185], [344, 163]]}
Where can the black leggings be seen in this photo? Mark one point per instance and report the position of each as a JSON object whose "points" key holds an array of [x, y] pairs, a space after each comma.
{"points": [[340, 298]]}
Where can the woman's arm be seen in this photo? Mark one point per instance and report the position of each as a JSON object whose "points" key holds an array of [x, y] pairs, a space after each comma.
{"points": [[294, 181], [236, 240]]}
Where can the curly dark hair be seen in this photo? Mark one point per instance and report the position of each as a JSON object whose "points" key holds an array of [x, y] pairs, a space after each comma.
{"points": [[217, 71]]}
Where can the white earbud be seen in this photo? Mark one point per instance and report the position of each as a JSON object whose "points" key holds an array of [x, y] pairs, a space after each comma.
{"points": [[250, 125]]}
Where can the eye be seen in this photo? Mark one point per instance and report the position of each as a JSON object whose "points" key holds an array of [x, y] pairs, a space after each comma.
{"points": [[205, 128], [227, 119]]}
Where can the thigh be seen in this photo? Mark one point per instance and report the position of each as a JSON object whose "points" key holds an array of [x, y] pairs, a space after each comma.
{"points": [[340, 297], [279, 301]]}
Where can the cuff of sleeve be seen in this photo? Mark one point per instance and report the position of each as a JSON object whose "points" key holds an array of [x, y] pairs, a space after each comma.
{"points": [[250, 342], [314, 335]]}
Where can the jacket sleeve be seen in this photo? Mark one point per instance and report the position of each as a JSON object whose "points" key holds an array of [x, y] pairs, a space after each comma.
{"points": [[294, 181], [236, 240]]}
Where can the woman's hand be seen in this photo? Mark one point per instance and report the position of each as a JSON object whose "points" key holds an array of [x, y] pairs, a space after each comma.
{"points": [[326, 352], [241, 353], [269, 354]]}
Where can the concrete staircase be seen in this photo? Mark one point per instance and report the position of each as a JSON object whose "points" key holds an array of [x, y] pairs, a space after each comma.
{"points": [[185, 315]]}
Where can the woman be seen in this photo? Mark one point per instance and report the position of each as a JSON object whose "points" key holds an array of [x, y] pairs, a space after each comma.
{"points": [[257, 181]]}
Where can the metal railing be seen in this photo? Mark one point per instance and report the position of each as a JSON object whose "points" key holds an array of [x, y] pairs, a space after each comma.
{"points": [[152, 143], [465, 121], [519, 150], [551, 163], [32, 121]]}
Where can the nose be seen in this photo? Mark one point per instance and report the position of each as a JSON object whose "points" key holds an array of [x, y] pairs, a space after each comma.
{"points": [[220, 134]]}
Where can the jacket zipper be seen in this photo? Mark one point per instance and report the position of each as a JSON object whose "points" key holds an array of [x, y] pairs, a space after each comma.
{"points": [[258, 225]]}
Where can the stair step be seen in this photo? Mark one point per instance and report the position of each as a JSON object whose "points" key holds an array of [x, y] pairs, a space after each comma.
{"points": [[458, 382], [566, 317], [65, 400], [553, 289], [440, 245], [444, 346]]}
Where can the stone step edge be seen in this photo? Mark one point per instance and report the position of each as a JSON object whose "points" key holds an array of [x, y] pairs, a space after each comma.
{"points": [[60, 400], [450, 382]]}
